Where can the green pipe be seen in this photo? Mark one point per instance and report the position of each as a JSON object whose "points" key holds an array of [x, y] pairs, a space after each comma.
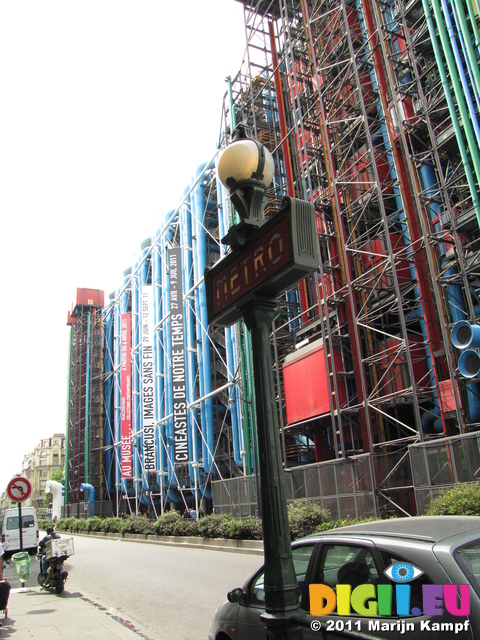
{"points": [[448, 96], [67, 427], [246, 414], [251, 393], [473, 12], [87, 401], [249, 413], [233, 114], [467, 39]]}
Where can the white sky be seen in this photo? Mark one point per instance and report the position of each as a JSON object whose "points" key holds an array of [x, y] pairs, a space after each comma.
{"points": [[107, 107]]}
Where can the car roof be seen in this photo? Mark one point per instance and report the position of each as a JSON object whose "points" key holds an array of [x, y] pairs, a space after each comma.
{"points": [[427, 528]]}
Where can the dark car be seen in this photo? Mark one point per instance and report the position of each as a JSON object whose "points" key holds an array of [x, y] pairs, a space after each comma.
{"points": [[425, 553]]}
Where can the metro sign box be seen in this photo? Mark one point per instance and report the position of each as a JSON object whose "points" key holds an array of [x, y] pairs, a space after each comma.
{"points": [[283, 251]]}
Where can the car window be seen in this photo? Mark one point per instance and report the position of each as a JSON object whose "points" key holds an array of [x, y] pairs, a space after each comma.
{"points": [[468, 557], [27, 522], [346, 564], [301, 558], [416, 594]]}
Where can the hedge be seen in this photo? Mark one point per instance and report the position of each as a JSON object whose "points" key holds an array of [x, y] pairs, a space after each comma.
{"points": [[461, 500], [303, 516]]}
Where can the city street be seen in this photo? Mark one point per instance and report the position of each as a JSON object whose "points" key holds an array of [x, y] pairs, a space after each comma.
{"points": [[169, 593]]}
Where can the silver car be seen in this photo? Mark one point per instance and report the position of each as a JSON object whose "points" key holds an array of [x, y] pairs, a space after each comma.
{"points": [[426, 553]]}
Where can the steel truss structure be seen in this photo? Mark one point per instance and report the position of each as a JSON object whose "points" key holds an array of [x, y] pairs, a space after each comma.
{"points": [[370, 109], [355, 100]]}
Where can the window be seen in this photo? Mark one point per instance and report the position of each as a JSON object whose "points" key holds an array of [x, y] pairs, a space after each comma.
{"points": [[416, 595], [468, 557], [27, 522], [347, 564], [301, 558]]}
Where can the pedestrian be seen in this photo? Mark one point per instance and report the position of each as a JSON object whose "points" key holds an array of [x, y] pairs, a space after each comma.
{"points": [[201, 513], [186, 514], [1, 561], [193, 514], [4, 585]]}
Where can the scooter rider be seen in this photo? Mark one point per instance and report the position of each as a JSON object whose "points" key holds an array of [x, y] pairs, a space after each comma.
{"points": [[42, 551]]}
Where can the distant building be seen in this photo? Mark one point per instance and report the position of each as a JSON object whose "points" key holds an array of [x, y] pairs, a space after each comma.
{"points": [[38, 466]]}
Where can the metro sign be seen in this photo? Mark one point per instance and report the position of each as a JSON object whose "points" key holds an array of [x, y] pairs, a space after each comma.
{"points": [[277, 255]]}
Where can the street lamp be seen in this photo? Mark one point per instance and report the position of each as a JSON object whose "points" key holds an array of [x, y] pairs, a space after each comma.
{"points": [[246, 169], [267, 257]]}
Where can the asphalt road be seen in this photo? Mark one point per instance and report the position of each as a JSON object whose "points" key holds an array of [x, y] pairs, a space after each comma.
{"points": [[169, 593]]}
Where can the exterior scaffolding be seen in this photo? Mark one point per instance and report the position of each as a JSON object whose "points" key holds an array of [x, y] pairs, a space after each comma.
{"points": [[370, 109], [84, 487], [353, 99], [198, 373]]}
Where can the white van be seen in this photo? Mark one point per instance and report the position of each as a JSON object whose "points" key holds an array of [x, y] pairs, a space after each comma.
{"points": [[11, 533]]}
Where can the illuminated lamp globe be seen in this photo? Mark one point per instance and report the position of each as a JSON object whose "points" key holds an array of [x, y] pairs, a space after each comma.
{"points": [[245, 160]]}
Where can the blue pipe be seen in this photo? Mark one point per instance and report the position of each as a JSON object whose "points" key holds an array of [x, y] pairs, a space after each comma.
{"points": [[230, 339], [168, 441], [203, 349], [189, 318], [454, 293], [141, 281], [461, 71], [90, 489]]}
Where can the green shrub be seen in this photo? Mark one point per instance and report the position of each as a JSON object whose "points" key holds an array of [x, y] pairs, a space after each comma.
{"points": [[185, 528], [461, 500], [138, 524], [304, 516], [95, 524], [164, 525], [64, 524], [82, 524], [113, 525], [215, 525], [248, 529]]}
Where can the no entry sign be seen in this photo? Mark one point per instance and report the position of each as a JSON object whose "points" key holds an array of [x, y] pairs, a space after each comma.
{"points": [[19, 489]]}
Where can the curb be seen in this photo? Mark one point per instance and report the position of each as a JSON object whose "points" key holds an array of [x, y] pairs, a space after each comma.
{"points": [[254, 547]]}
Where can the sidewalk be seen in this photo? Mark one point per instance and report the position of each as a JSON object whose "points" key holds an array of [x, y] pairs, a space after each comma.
{"points": [[40, 615]]}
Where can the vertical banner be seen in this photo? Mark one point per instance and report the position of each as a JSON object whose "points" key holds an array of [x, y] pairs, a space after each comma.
{"points": [[148, 380], [179, 383], [126, 467]]}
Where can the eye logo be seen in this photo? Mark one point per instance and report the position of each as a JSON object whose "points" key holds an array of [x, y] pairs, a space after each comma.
{"points": [[402, 572]]}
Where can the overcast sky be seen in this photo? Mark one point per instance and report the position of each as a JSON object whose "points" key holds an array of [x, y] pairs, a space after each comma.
{"points": [[107, 108]]}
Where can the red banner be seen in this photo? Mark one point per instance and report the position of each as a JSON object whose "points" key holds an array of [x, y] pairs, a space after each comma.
{"points": [[126, 466]]}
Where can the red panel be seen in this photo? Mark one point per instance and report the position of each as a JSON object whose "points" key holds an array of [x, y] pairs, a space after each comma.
{"points": [[447, 395], [305, 383], [90, 297]]}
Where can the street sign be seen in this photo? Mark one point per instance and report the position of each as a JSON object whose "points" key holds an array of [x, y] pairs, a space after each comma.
{"points": [[277, 255], [19, 489]]}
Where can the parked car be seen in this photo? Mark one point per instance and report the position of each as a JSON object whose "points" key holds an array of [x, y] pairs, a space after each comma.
{"points": [[425, 550]]}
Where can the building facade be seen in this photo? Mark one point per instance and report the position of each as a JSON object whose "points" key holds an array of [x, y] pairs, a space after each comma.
{"points": [[39, 465], [371, 111]]}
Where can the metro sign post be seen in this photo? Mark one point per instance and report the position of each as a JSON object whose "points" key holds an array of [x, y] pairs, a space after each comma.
{"points": [[18, 490], [267, 258]]}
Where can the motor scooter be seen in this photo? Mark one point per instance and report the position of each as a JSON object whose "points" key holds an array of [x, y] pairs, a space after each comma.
{"points": [[54, 555], [55, 577]]}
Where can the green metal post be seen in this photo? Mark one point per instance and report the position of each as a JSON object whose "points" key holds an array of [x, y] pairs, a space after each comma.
{"points": [[281, 600]]}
